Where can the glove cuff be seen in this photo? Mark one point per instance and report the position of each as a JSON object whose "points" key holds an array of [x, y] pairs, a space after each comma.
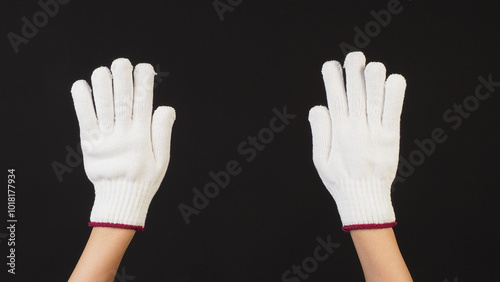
{"points": [[121, 204], [364, 204]]}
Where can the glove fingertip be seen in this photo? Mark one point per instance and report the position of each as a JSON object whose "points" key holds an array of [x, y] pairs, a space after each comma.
{"points": [[120, 64], [165, 114], [354, 59], [316, 112], [101, 73], [375, 68], [79, 87], [331, 66], [396, 81], [144, 68]]}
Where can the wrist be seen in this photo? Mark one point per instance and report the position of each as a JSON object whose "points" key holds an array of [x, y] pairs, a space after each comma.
{"points": [[364, 204], [113, 236], [121, 204]]}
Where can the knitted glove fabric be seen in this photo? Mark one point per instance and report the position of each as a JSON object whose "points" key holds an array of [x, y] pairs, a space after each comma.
{"points": [[356, 140], [125, 150]]}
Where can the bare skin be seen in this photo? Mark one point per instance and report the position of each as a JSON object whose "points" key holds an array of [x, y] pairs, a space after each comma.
{"points": [[377, 250], [379, 255], [102, 254]]}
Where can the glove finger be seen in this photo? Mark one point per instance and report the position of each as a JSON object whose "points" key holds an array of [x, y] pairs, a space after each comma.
{"points": [[321, 129], [122, 89], [84, 107], [335, 89], [161, 127], [394, 96], [102, 84], [375, 86], [143, 91], [356, 94]]}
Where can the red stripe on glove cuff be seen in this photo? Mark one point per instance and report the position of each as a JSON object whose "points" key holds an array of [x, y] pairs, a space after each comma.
{"points": [[116, 225], [348, 228]]}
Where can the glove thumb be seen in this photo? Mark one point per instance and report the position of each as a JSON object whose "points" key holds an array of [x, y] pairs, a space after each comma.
{"points": [[319, 118], [161, 130]]}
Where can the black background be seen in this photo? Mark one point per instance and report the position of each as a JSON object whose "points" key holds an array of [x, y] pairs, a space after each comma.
{"points": [[225, 77]]}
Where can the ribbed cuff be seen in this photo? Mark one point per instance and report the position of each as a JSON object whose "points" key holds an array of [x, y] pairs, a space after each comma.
{"points": [[348, 228], [121, 204], [364, 204], [116, 225]]}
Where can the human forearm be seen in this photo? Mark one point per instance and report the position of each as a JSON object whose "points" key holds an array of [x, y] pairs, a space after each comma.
{"points": [[102, 254], [379, 255]]}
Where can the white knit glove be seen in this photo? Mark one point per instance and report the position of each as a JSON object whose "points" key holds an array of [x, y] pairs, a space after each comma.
{"points": [[356, 140], [125, 152]]}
